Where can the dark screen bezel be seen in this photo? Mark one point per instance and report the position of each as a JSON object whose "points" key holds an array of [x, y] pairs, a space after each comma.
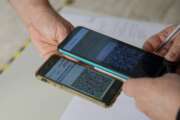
{"points": [[113, 91], [107, 99], [77, 29], [47, 65]]}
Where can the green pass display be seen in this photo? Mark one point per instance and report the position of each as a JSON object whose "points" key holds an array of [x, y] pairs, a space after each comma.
{"points": [[80, 78]]}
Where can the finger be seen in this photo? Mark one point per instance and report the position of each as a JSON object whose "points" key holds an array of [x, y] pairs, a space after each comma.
{"points": [[49, 54], [46, 50], [164, 50], [63, 31], [174, 51], [129, 87], [44, 46], [135, 87], [153, 42]]}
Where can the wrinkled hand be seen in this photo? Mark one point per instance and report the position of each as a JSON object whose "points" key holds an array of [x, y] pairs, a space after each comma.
{"points": [[158, 98], [171, 52], [47, 30]]}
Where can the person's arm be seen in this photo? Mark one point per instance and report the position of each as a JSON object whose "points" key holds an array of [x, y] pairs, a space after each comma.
{"points": [[28, 9], [47, 29], [158, 98]]}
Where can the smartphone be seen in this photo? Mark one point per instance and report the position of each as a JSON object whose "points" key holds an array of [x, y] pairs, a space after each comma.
{"points": [[110, 55], [80, 79]]}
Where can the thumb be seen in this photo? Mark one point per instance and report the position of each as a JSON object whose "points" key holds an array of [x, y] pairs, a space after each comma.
{"points": [[173, 54], [63, 31], [135, 87]]}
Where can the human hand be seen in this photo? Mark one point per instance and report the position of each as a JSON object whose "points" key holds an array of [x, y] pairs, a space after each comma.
{"points": [[158, 98], [48, 29], [171, 52]]}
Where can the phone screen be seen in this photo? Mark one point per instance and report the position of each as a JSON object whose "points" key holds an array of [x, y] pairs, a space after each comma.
{"points": [[112, 54], [83, 80]]}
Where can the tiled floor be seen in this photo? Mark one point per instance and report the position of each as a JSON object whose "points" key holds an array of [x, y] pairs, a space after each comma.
{"points": [[13, 34]]}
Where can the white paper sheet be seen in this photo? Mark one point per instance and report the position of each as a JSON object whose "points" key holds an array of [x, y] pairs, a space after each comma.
{"points": [[132, 32]]}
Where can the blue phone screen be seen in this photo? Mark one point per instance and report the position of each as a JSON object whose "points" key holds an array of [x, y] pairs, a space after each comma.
{"points": [[112, 54], [80, 78]]}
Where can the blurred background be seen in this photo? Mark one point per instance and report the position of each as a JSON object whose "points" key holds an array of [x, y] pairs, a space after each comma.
{"points": [[13, 35]]}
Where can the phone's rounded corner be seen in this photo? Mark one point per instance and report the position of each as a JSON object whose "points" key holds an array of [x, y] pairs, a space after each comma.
{"points": [[59, 47], [108, 105], [78, 27], [36, 74]]}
